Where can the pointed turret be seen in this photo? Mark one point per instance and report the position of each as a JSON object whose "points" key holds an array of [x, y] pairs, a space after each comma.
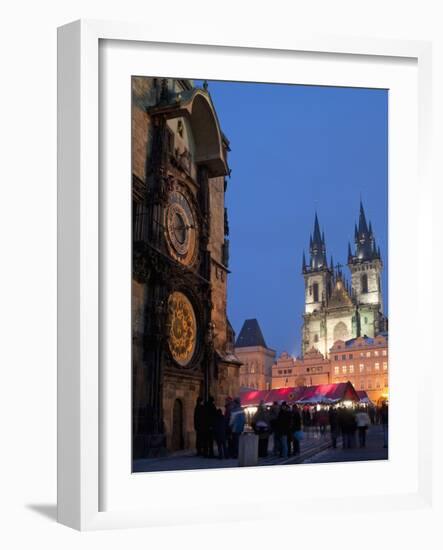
{"points": [[317, 248], [365, 249]]}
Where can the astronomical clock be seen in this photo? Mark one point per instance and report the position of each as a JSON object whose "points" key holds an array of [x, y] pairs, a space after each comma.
{"points": [[180, 328]]}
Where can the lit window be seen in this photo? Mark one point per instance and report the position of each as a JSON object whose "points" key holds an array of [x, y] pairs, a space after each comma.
{"points": [[362, 354], [385, 366], [368, 354], [343, 368], [336, 370], [376, 353], [362, 367], [351, 368], [384, 352], [377, 366]]}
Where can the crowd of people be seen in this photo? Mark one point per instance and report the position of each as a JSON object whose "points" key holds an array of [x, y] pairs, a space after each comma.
{"points": [[288, 425], [215, 426]]}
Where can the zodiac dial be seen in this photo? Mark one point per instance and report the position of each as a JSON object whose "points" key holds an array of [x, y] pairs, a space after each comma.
{"points": [[181, 230], [183, 328]]}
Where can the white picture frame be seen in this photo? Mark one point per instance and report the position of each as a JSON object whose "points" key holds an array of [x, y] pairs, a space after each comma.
{"points": [[81, 414]]}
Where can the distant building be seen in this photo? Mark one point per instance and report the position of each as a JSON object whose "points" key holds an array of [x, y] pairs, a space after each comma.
{"points": [[311, 370], [364, 362], [257, 359], [334, 309]]}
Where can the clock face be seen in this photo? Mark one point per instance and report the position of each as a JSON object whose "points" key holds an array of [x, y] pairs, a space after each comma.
{"points": [[183, 328], [181, 230]]}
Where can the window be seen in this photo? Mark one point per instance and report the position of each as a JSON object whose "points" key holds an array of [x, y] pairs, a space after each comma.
{"points": [[316, 338], [362, 385], [343, 368], [386, 382], [289, 371], [336, 370], [351, 368], [315, 289], [364, 283], [280, 372], [385, 366], [351, 356], [377, 366], [362, 367], [383, 352], [362, 354], [369, 384], [368, 354], [336, 357], [376, 353], [343, 357], [366, 320], [377, 383]]}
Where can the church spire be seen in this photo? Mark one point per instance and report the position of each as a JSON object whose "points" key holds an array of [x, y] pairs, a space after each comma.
{"points": [[365, 249], [303, 263], [317, 247]]}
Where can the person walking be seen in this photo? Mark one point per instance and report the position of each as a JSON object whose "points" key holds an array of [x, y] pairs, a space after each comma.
{"points": [[229, 403], [362, 421], [237, 425], [273, 415], [333, 425], [199, 413], [261, 426], [210, 414], [384, 420], [284, 424], [297, 433], [220, 434]]}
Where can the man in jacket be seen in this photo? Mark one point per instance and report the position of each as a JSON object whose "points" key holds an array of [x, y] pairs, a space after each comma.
{"points": [[237, 425]]}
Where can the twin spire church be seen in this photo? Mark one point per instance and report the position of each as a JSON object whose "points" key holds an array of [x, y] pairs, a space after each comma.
{"points": [[335, 309]]}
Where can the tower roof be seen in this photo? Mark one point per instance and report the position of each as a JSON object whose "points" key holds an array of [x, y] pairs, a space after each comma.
{"points": [[317, 248], [365, 248], [250, 335]]}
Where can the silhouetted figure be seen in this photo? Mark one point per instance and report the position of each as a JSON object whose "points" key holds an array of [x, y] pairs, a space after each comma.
{"points": [[237, 424], [273, 415], [220, 434], [347, 427], [296, 432], [384, 420], [262, 427], [284, 424], [362, 420], [199, 413], [333, 424], [209, 416], [229, 403]]}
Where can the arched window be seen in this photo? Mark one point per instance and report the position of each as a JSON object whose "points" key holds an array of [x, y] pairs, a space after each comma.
{"points": [[364, 283], [315, 289]]}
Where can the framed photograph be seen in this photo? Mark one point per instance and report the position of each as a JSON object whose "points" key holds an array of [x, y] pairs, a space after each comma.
{"points": [[241, 242]]}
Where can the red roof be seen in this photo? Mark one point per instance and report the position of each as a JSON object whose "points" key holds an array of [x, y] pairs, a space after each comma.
{"points": [[343, 391]]}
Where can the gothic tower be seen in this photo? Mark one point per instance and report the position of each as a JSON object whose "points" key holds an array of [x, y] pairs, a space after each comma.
{"points": [[318, 276], [366, 266]]}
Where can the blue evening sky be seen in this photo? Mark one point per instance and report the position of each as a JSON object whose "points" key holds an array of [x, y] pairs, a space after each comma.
{"points": [[295, 150]]}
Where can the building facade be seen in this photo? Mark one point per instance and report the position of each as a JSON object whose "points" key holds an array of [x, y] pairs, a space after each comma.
{"points": [[310, 370], [335, 309], [257, 359], [363, 361], [182, 342]]}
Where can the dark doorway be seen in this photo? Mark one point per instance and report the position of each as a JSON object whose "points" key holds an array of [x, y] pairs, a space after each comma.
{"points": [[177, 440]]}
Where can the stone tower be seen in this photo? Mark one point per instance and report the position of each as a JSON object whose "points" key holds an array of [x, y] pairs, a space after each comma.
{"points": [[366, 266]]}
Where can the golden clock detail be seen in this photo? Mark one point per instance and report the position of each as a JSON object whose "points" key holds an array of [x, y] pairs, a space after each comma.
{"points": [[181, 230], [183, 328]]}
